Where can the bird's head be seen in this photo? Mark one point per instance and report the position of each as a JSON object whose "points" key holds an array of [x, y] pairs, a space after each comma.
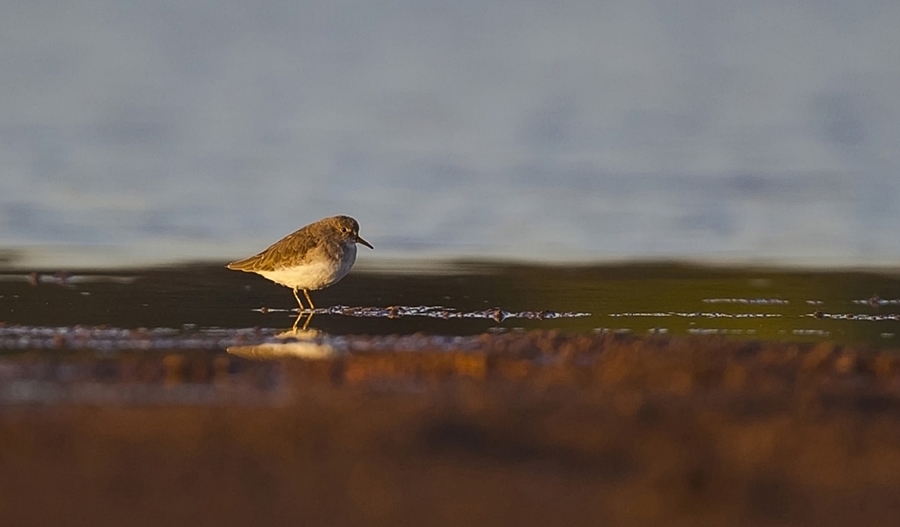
{"points": [[347, 230]]}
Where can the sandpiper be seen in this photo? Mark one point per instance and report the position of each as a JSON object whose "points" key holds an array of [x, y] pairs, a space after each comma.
{"points": [[308, 259]]}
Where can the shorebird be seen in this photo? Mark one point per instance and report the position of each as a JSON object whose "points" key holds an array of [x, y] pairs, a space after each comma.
{"points": [[311, 258]]}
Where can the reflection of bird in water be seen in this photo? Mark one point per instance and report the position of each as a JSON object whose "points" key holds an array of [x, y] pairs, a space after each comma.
{"points": [[308, 344], [305, 324], [311, 258]]}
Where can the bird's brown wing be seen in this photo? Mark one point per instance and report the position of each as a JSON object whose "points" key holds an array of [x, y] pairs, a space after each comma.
{"points": [[288, 251]]}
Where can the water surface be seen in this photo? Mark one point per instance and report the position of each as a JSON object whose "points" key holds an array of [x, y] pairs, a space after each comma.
{"points": [[208, 307]]}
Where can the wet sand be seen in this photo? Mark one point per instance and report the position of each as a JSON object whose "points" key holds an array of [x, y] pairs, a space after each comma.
{"points": [[520, 428]]}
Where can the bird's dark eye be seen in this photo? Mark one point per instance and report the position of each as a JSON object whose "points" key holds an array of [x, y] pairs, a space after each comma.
{"points": [[344, 229]]}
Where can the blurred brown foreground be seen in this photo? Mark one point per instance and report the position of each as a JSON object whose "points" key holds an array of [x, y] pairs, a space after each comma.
{"points": [[535, 428]]}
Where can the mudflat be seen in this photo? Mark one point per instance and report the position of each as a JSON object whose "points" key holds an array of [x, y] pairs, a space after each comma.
{"points": [[473, 394], [525, 428]]}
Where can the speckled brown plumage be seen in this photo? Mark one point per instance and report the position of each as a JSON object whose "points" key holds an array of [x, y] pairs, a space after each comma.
{"points": [[316, 240]]}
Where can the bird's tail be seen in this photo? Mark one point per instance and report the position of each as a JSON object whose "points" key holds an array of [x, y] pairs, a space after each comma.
{"points": [[247, 264]]}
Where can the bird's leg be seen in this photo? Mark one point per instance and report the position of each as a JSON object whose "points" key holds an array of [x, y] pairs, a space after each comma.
{"points": [[298, 300], [308, 299], [297, 321]]}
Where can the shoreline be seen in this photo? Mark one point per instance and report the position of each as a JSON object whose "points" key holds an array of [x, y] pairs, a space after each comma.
{"points": [[103, 258]]}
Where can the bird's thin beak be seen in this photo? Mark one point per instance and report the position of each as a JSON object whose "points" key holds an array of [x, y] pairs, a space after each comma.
{"points": [[364, 242]]}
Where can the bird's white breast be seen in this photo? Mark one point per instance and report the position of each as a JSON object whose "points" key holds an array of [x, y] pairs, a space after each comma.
{"points": [[315, 274]]}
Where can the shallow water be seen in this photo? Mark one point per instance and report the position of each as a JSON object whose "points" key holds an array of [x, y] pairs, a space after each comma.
{"points": [[209, 307]]}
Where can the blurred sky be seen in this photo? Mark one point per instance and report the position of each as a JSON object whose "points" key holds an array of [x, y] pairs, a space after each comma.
{"points": [[748, 131]]}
